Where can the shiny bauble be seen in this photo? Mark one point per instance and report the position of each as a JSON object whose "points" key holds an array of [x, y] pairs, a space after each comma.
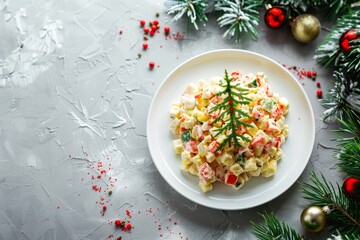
{"points": [[275, 17], [351, 187], [305, 28], [313, 219], [346, 38]]}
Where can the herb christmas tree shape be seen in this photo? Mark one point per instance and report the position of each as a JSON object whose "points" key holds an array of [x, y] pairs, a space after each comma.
{"points": [[230, 112]]}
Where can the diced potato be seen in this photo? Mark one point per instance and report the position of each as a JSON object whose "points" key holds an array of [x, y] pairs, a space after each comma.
{"points": [[185, 156], [184, 166], [205, 187], [253, 129], [197, 160], [175, 126], [236, 169], [188, 123], [210, 157], [225, 159], [178, 146], [250, 165], [202, 149], [193, 169], [278, 155], [269, 168], [255, 173]]}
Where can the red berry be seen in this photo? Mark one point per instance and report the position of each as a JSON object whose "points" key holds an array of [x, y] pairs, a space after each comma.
{"points": [[154, 28], [142, 23], [104, 208], [155, 22], [151, 65], [128, 226], [166, 30], [146, 30], [117, 223], [152, 33], [308, 74], [319, 93], [145, 45]]}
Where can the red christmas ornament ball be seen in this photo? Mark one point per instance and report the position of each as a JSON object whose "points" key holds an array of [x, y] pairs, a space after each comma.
{"points": [[351, 186], [345, 39], [275, 17]]}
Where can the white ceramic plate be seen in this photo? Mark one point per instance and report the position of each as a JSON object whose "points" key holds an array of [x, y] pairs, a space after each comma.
{"points": [[297, 148]]}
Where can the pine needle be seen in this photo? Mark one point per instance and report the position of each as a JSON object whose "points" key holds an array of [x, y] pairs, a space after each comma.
{"points": [[241, 17], [274, 229]]}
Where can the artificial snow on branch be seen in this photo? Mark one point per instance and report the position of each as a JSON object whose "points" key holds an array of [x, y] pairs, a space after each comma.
{"points": [[240, 17]]}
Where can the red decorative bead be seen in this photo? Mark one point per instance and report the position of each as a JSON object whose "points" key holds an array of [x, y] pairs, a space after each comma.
{"points": [[151, 65], [156, 22], [275, 17], [345, 39], [118, 223], [142, 23], [104, 208], [308, 74], [319, 93], [152, 33], [351, 186], [145, 45], [166, 30], [146, 30]]}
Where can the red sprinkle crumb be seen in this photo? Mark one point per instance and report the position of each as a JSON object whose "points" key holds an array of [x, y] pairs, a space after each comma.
{"points": [[121, 31], [152, 33], [166, 30], [318, 84], [155, 22], [145, 45], [146, 30], [104, 208], [128, 213], [319, 93], [151, 65], [142, 23]]}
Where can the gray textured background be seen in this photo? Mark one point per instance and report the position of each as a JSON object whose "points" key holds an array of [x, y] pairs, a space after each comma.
{"points": [[73, 93]]}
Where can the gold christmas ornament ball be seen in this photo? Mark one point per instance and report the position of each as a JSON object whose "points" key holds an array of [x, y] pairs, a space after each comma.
{"points": [[305, 28], [313, 219]]}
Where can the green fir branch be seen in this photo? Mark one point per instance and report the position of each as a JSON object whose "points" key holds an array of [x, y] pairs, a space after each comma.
{"points": [[345, 213], [328, 52], [349, 157], [344, 97], [241, 17], [193, 9], [336, 8], [273, 228], [351, 126], [340, 236], [234, 96]]}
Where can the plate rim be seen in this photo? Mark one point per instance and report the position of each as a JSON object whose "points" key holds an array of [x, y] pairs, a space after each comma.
{"points": [[165, 79]]}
